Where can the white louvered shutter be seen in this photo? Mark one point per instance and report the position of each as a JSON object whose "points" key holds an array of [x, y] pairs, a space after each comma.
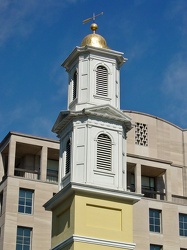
{"points": [[102, 81], [104, 152], [68, 156]]}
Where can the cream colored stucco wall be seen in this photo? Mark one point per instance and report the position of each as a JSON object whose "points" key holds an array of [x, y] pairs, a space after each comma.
{"points": [[165, 141], [92, 217], [103, 218], [169, 236], [40, 220], [167, 151]]}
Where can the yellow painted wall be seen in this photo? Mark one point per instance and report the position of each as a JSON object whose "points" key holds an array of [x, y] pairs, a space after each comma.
{"points": [[63, 221], [97, 217], [103, 218]]}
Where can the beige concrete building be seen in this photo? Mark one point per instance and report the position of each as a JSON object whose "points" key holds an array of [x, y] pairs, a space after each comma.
{"points": [[29, 177], [157, 167]]}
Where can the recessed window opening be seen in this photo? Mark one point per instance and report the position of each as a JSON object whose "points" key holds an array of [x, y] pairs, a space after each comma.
{"points": [[155, 247], [25, 203], [102, 81], [1, 202], [155, 220], [23, 241], [75, 85], [183, 225], [104, 152], [68, 157]]}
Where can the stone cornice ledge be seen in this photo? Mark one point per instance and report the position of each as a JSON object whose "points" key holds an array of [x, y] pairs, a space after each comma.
{"points": [[95, 241], [134, 197], [73, 187]]}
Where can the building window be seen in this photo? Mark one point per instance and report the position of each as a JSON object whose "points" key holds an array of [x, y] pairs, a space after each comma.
{"points": [[155, 247], [1, 202], [75, 85], [148, 186], [25, 201], [155, 220], [101, 81], [52, 171], [104, 152], [23, 241], [183, 224], [141, 134], [68, 156]]}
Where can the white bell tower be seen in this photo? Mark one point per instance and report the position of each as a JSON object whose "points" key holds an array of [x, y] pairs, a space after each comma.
{"points": [[93, 130], [94, 77]]}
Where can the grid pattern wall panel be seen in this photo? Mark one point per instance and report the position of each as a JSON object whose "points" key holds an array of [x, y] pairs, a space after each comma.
{"points": [[141, 134]]}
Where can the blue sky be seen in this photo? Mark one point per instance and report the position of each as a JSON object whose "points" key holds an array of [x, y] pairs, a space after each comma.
{"points": [[36, 37]]}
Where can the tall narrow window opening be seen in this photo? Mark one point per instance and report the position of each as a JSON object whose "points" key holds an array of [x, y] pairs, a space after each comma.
{"points": [[68, 156], [155, 247], [155, 220], [75, 85], [102, 81], [104, 152], [1, 202], [23, 241], [25, 204], [183, 225]]}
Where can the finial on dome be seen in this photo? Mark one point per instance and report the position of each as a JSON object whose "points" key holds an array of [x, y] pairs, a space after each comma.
{"points": [[94, 39], [94, 27]]}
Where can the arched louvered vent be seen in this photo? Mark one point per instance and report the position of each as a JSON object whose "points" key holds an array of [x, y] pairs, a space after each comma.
{"points": [[68, 156], [104, 152], [74, 85], [102, 81]]}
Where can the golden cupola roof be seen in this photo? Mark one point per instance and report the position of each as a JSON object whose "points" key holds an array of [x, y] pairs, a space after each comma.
{"points": [[94, 39]]}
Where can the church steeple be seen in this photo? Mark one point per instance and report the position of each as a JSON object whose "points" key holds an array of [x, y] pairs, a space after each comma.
{"points": [[93, 209]]}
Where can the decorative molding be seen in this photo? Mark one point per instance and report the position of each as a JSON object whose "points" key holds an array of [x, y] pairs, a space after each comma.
{"points": [[95, 241], [73, 187]]}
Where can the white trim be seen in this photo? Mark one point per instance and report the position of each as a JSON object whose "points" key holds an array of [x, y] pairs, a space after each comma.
{"points": [[95, 241], [71, 187]]}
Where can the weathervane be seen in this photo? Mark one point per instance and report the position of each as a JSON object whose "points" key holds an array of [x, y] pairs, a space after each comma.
{"points": [[92, 18]]}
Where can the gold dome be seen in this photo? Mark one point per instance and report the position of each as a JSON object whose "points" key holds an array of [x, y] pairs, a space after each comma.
{"points": [[94, 39]]}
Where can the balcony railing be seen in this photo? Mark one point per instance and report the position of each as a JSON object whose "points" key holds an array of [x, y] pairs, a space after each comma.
{"points": [[52, 175], [149, 193], [26, 173], [154, 194]]}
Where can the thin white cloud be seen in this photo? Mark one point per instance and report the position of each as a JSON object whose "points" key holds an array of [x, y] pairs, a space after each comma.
{"points": [[177, 12], [175, 89], [18, 112], [20, 17], [42, 126], [175, 79]]}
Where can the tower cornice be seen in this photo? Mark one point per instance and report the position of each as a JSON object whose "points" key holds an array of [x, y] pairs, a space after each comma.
{"points": [[102, 111], [90, 49]]}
